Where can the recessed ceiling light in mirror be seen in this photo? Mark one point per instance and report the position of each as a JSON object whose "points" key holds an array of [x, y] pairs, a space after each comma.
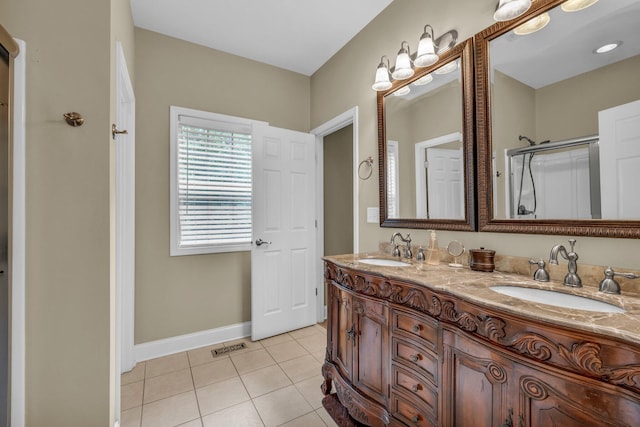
{"points": [[576, 5], [533, 25], [607, 47], [423, 80]]}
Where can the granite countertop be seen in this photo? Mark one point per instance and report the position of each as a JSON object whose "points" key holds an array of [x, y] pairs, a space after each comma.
{"points": [[474, 287]]}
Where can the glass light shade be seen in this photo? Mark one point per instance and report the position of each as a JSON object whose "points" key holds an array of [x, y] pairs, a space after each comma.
{"points": [[576, 5], [428, 78], [533, 25], [382, 78], [403, 69], [402, 91], [509, 9], [426, 52]]}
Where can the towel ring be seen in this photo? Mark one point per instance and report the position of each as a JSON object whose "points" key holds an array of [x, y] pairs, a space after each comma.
{"points": [[369, 162]]}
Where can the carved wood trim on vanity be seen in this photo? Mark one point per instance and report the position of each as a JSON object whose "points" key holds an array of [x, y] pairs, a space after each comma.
{"points": [[604, 359]]}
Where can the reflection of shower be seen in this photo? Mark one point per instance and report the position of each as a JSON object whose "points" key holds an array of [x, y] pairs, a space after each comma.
{"points": [[522, 209]]}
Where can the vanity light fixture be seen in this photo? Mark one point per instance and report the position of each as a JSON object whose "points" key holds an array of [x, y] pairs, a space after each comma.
{"points": [[427, 54], [607, 47], [403, 69], [509, 9], [576, 5], [428, 78], [534, 24], [382, 76]]}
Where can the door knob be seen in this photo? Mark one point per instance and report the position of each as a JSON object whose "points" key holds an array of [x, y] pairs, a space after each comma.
{"points": [[261, 242]]}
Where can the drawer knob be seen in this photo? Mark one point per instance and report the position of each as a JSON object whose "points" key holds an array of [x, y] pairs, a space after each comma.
{"points": [[415, 419], [415, 358], [416, 328], [415, 388]]}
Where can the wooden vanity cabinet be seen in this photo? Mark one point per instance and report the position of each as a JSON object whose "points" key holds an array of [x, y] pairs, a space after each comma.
{"points": [[400, 354]]}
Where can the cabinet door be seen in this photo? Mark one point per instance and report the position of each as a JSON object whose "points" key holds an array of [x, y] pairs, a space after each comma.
{"points": [[475, 388], [342, 330], [371, 363], [562, 399]]}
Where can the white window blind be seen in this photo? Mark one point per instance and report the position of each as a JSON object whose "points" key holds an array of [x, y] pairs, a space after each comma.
{"points": [[211, 186]]}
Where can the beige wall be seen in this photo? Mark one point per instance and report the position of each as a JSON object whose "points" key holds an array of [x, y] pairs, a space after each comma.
{"points": [[569, 108], [514, 115], [345, 81], [338, 191], [69, 311], [186, 294]]}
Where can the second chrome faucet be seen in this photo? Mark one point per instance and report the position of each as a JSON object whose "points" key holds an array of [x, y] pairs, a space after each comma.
{"points": [[571, 279]]}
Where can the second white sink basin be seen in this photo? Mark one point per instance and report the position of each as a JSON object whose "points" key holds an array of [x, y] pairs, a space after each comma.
{"points": [[557, 299], [384, 262]]}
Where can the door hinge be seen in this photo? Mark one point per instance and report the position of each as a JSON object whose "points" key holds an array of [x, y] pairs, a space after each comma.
{"points": [[316, 221], [316, 291]]}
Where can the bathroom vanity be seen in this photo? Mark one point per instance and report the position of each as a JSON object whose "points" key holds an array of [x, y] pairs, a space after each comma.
{"points": [[420, 345]]}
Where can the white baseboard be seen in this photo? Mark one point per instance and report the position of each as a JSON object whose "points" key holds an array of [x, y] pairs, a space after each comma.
{"points": [[164, 347]]}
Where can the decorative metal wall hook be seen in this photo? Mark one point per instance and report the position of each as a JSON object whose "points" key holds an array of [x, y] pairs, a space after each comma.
{"points": [[115, 131], [369, 162], [74, 119]]}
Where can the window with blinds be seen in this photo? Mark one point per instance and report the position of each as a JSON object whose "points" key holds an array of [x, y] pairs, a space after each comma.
{"points": [[212, 186], [393, 200]]}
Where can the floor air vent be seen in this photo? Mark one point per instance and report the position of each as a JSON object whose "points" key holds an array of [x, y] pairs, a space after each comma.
{"points": [[226, 350]]}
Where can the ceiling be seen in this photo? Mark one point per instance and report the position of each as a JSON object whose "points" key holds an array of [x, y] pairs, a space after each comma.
{"points": [[564, 47], [292, 34]]}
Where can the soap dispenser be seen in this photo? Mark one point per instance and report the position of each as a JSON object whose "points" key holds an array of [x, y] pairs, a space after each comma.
{"points": [[433, 252]]}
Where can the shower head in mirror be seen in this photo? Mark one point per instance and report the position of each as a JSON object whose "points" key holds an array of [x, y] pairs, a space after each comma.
{"points": [[455, 249]]}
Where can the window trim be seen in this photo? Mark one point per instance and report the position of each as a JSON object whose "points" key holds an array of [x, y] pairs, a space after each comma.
{"points": [[174, 222]]}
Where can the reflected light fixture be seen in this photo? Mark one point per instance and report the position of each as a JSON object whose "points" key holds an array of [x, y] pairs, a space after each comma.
{"points": [[509, 9], [382, 81], [427, 55], [428, 78], [532, 25], [402, 91], [576, 5], [607, 47], [403, 69], [447, 68]]}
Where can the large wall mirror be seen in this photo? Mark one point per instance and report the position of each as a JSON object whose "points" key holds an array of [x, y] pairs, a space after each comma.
{"points": [[558, 113], [425, 146]]}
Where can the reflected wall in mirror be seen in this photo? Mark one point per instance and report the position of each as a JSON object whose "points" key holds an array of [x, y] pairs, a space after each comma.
{"points": [[559, 123], [425, 144]]}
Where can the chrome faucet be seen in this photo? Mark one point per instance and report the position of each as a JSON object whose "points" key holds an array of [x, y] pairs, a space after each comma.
{"points": [[571, 279], [396, 250]]}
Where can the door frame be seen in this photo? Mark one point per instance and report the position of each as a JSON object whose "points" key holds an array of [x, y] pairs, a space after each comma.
{"points": [[18, 264], [349, 117]]}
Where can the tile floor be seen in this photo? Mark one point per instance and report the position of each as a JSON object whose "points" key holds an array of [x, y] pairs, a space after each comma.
{"points": [[273, 382]]}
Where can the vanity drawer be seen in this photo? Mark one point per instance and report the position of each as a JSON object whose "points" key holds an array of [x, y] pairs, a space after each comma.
{"points": [[419, 327], [414, 355], [415, 385], [410, 412]]}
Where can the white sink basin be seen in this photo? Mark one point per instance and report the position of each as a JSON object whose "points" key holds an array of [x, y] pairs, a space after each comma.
{"points": [[557, 299], [384, 262]]}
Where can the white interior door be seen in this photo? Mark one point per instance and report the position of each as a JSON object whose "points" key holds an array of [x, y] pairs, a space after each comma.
{"points": [[445, 180], [620, 161], [125, 223], [283, 256]]}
